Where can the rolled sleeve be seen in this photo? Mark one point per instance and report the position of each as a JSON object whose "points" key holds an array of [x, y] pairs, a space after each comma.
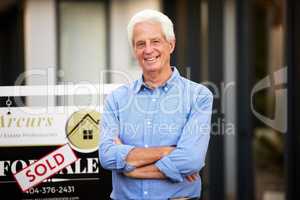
{"points": [[122, 152], [166, 166], [113, 156]]}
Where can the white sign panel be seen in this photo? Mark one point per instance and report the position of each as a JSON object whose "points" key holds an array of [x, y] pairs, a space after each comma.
{"points": [[28, 126], [25, 129]]}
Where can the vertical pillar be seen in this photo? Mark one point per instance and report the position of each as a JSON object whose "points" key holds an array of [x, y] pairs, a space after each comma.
{"points": [[215, 76], [245, 174], [193, 40], [292, 139]]}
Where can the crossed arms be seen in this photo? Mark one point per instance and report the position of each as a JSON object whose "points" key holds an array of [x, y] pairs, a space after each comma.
{"points": [[143, 160], [174, 163]]}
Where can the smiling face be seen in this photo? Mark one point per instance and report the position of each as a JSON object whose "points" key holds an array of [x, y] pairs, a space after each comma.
{"points": [[151, 48]]}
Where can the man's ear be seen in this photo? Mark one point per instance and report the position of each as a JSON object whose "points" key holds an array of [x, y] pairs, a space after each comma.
{"points": [[133, 51], [172, 45]]}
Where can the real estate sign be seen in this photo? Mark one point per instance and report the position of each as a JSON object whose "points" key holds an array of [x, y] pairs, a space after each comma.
{"points": [[38, 151]]}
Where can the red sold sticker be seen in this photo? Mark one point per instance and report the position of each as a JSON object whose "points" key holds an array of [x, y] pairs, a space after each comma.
{"points": [[42, 169]]}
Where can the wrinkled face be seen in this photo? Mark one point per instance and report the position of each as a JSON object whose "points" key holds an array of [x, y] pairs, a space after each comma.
{"points": [[151, 48]]}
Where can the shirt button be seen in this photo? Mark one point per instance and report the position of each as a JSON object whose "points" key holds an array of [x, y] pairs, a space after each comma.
{"points": [[145, 192], [153, 100], [166, 89], [148, 123], [146, 145]]}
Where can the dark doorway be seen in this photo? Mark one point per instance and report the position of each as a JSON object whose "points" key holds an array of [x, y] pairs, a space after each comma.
{"points": [[11, 43]]}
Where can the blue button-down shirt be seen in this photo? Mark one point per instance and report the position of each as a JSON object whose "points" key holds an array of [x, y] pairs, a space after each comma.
{"points": [[178, 113]]}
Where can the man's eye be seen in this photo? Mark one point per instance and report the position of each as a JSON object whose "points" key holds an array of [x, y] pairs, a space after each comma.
{"points": [[139, 45]]}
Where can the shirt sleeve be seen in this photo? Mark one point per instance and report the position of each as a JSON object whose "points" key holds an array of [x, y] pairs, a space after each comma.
{"points": [[189, 155], [112, 156]]}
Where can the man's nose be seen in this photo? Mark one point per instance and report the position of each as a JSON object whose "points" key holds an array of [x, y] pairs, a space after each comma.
{"points": [[148, 48]]}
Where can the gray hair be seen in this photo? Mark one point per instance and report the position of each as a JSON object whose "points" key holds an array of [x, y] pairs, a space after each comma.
{"points": [[154, 16]]}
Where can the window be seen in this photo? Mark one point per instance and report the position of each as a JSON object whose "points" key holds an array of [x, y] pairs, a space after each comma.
{"points": [[82, 40]]}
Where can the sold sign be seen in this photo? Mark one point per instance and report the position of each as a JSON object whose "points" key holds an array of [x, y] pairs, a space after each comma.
{"points": [[44, 168]]}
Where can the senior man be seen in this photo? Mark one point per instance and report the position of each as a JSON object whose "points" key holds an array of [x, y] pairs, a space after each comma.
{"points": [[155, 131]]}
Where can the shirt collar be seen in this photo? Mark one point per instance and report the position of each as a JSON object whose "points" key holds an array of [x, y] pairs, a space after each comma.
{"points": [[141, 84]]}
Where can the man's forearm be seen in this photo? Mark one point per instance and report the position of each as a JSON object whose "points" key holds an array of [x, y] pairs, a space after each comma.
{"points": [[146, 172], [139, 157], [152, 172]]}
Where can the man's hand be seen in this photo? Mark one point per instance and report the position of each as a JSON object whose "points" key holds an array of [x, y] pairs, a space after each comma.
{"points": [[167, 150], [192, 177], [118, 141]]}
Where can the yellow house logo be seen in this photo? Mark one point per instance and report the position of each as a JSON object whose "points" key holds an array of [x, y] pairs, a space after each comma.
{"points": [[83, 130]]}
